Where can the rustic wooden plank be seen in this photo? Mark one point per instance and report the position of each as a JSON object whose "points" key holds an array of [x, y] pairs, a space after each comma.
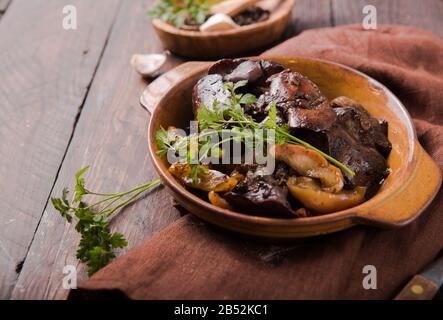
{"points": [[310, 14], [426, 14], [111, 136], [45, 72]]}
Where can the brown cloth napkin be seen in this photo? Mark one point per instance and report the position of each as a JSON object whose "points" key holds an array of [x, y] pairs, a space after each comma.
{"points": [[191, 260]]}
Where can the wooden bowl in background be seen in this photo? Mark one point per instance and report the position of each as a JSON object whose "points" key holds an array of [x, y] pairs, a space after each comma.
{"points": [[414, 181], [220, 44]]}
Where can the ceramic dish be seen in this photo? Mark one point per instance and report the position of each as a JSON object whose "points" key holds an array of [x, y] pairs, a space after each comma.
{"points": [[411, 186], [218, 44]]}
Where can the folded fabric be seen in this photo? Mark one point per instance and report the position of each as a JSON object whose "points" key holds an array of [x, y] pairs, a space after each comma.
{"points": [[192, 260]]}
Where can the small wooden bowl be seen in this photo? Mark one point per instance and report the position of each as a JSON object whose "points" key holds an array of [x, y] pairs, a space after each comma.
{"points": [[213, 45], [414, 181]]}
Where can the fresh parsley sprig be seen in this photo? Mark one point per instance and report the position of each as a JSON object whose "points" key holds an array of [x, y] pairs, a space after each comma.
{"points": [[177, 12], [97, 244]]}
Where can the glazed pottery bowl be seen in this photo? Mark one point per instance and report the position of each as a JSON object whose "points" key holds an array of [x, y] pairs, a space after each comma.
{"points": [[219, 44], [412, 184]]}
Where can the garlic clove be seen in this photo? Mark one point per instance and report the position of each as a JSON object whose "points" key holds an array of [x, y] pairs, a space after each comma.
{"points": [[148, 64], [218, 22]]}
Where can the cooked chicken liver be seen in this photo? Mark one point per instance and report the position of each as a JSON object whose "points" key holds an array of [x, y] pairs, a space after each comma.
{"points": [[210, 87], [244, 69], [207, 90], [263, 194], [361, 125], [342, 128], [360, 142]]}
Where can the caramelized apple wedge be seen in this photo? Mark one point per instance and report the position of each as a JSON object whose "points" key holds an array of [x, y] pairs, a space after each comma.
{"points": [[208, 179], [308, 163], [309, 192], [218, 201]]}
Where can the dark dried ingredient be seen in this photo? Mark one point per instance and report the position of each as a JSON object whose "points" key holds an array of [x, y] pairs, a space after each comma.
{"points": [[251, 15]]}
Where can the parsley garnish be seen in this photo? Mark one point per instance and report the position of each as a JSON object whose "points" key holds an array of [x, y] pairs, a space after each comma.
{"points": [[180, 12], [97, 243]]}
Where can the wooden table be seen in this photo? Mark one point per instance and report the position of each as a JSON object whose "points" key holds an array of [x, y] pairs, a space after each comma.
{"points": [[70, 99]]}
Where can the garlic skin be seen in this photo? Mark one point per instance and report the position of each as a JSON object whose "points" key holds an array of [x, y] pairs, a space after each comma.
{"points": [[148, 64], [218, 22], [309, 163], [309, 192]]}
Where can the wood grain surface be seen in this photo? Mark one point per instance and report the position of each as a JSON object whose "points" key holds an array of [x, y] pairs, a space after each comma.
{"points": [[45, 72], [426, 14], [70, 98], [111, 136], [310, 14]]}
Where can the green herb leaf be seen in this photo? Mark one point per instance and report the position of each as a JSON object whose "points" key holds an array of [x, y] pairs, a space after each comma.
{"points": [[62, 208], [162, 140], [248, 99], [80, 189], [179, 13], [118, 241], [92, 221], [273, 112], [240, 84], [194, 173], [208, 119]]}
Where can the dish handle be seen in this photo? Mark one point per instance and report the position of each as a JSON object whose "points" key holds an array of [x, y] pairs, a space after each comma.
{"points": [[409, 199], [157, 89]]}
